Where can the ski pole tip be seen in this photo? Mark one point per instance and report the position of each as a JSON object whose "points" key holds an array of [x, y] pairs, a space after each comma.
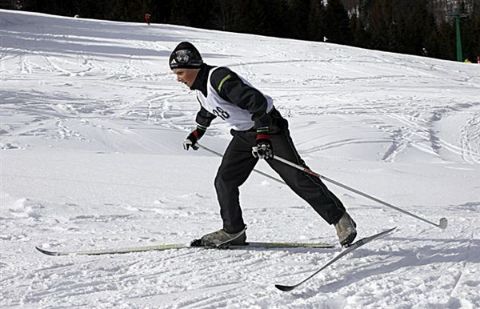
{"points": [[443, 223], [284, 288]]}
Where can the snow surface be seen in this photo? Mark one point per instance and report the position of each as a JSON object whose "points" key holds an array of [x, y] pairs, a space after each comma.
{"points": [[91, 127]]}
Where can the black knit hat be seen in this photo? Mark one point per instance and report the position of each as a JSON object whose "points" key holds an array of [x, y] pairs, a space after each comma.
{"points": [[185, 56]]}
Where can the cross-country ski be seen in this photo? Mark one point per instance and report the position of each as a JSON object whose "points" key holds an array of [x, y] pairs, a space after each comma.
{"points": [[257, 245], [349, 249]]}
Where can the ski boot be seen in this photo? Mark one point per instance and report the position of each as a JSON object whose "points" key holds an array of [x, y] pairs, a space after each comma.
{"points": [[346, 230], [221, 239]]}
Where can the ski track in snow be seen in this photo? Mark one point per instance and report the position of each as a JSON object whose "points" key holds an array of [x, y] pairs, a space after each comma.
{"points": [[91, 125]]}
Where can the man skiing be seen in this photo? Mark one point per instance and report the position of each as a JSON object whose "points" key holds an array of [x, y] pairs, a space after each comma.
{"points": [[259, 132]]}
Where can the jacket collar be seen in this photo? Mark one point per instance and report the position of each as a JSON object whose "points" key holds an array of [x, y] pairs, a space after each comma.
{"points": [[201, 81]]}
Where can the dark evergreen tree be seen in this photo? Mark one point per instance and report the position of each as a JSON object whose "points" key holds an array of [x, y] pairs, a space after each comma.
{"points": [[316, 21], [379, 24], [276, 18], [470, 27], [223, 16], [298, 12], [337, 23], [251, 17], [161, 11], [193, 13], [92, 9], [57, 7], [446, 41], [361, 36], [415, 24], [200, 14]]}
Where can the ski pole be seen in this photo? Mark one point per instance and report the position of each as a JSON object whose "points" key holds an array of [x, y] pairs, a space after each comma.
{"points": [[255, 170], [443, 221]]}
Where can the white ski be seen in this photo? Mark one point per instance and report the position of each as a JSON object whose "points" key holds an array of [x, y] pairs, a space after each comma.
{"points": [[349, 249]]}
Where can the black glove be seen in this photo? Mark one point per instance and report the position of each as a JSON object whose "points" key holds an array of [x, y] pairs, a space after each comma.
{"points": [[193, 137], [263, 149]]}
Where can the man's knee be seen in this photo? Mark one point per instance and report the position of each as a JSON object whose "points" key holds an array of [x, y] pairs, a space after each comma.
{"points": [[224, 185], [220, 183]]}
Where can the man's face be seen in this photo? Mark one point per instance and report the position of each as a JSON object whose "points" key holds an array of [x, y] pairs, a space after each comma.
{"points": [[186, 76]]}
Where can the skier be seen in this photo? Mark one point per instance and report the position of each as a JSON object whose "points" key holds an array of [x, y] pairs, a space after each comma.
{"points": [[259, 132], [147, 18]]}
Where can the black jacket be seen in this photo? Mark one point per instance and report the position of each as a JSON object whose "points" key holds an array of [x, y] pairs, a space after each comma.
{"points": [[232, 89]]}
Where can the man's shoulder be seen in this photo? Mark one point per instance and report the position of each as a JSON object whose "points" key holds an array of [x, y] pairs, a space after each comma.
{"points": [[221, 70], [220, 75]]}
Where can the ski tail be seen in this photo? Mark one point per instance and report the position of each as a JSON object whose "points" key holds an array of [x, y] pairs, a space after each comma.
{"points": [[135, 249]]}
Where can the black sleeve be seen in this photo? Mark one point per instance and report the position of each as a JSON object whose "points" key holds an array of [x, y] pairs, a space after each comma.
{"points": [[204, 118], [232, 89]]}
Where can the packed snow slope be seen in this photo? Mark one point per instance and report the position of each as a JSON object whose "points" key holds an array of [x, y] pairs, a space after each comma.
{"points": [[91, 127]]}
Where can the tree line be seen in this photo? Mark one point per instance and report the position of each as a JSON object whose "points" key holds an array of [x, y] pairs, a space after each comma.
{"points": [[402, 26]]}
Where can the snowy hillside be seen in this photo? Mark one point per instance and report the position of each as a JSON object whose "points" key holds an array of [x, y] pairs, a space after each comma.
{"points": [[91, 127]]}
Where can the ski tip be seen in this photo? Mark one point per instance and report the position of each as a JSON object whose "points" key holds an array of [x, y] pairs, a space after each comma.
{"points": [[387, 231], [284, 288], [391, 230], [46, 251]]}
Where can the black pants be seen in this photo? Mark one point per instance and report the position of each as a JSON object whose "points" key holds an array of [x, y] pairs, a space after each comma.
{"points": [[238, 163]]}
